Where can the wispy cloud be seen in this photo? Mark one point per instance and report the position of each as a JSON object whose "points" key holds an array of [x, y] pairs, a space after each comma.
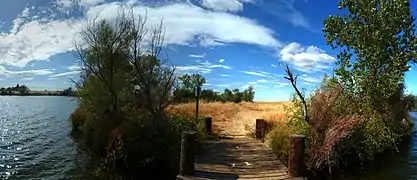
{"points": [[225, 5], [285, 10], [310, 79], [74, 67], [221, 60], [24, 73], [256, 73], [202, 67], [197, 55], [69, 73], [27, 79]]}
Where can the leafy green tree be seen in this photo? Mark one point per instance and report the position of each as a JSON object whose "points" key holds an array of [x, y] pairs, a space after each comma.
{"points": [[227, 95], [248, 94], [377, 41], [237, 95], [104, 57], [186, 91], [192, 81]]}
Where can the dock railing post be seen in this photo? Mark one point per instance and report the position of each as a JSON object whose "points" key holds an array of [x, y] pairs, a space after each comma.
{"points": [[208, 124], [296, 159], [187, 157], [260, 129]]}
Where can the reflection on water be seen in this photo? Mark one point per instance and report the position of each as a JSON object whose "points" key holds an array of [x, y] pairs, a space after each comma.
{"points": [[35, 140]]}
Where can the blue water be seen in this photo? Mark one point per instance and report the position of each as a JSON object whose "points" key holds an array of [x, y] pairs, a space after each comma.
{"points": [[35, 141]]}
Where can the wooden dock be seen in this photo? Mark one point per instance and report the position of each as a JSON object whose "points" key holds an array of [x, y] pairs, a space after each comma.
{"points": [[237, 158]]}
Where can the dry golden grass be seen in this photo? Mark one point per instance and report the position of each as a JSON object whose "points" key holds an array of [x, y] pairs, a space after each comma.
{"points": [[236, 118], [271, 111]]}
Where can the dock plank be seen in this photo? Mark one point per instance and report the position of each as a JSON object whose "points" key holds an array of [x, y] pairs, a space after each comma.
{"points": [[238, 158]]}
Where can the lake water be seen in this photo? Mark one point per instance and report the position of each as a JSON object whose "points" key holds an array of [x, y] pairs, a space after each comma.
{"points": [[35, 143]]}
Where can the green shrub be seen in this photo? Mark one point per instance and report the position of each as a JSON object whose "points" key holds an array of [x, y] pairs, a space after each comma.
{"points": [[136, 149], [342, 129], [78, 117]]}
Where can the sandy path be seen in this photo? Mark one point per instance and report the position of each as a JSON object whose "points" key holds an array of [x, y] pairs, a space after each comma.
{"points": [[241, 123]]}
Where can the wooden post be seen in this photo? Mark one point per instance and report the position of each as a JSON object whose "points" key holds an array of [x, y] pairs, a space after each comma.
{"points": [[260, 129], [187, 158], [208, 123], [296, 159]]}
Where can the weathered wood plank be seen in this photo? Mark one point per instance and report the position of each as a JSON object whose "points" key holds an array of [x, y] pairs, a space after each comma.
{"points": [[238, 158]]}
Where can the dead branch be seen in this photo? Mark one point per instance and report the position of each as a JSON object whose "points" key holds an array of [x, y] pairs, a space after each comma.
{"points": [[293, 80]]}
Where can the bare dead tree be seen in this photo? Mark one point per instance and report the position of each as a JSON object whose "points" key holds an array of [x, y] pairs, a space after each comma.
{"points": [[155, 78], [293, 79]]}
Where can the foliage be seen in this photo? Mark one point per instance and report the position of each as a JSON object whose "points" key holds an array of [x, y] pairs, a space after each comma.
{"points": [[18, 89], [411, 102], [279, 136], [124, 90], [340, 130], [382, 57], [362, 111], [186, 91]]}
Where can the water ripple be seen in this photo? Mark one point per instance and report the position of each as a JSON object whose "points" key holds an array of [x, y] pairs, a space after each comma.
{"points": [[35, 141]]}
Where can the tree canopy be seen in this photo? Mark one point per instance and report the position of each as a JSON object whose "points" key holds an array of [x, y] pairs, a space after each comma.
{"points": [[378, 43]]}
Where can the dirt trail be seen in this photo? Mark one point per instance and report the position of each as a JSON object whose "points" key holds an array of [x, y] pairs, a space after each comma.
{"points": [[241, 123]]}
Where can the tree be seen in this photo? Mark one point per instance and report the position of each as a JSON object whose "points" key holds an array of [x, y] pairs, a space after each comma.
{"points": [[192, 81], [186, 92], [378, 43], [102, 56], [227, 95], [237, 96], [248, 94]]}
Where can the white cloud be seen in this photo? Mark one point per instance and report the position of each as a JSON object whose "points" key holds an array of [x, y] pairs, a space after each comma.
{"points": [[25, 73], [306, 59], [310, 79], [274, 65], [221, 60], [37, 41], [197, 55], [52, 79], [43, 35], [282, 84], [203, 67], [185, 22], [90, 2], [225, 75], [262, 81], [69, 73], [67, 5], [221, 85], [223, 5], [27, 79], [285, 10], [256, 73], [74, 67]]}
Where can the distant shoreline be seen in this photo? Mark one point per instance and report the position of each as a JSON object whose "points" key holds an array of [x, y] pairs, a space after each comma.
{"points": [[39, 93]]}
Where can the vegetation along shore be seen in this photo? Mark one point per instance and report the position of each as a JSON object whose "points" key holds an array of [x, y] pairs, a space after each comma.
{"points": [[23, 90]]}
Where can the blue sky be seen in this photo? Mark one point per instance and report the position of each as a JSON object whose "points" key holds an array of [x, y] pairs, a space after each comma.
{"points": [[233, 43]]}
